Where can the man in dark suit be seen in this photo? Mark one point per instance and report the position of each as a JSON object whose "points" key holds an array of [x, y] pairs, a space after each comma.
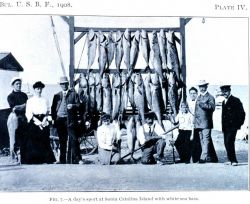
{"points": [[64, 113], [203, 123], [233, 117]]}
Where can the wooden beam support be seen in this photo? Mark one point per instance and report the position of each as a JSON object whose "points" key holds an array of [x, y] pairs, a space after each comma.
{"points": [[79, 37], [66, 19], [187, 20], [86, 29], [72, 51]]}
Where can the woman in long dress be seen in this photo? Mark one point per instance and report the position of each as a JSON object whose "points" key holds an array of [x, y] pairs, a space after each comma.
{"points": [[37, 146]]}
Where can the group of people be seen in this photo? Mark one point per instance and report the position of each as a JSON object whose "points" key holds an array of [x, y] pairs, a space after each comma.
{"points": [[29, 132]]}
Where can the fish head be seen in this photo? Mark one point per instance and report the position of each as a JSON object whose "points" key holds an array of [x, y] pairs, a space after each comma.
{"points": [[137, 35], [154, 38], [162, 33], [91, 35], [155, 79], [116, 79], [170, 36], [148, 78], [118, 36], [138, 78], [97, 78], [127, 34], [110, 37], [83, 81], [144, 33], [101, 37], [105, 80], [91, 79]]}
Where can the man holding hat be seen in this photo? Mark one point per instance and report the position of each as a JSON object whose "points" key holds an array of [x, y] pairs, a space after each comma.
{"points": [[203, 123], [151, 134], [64, 113], [16, 120], [108, 137], [233, 117]]}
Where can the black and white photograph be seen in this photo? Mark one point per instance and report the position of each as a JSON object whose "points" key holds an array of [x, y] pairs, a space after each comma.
{"points": [[115, 103]]}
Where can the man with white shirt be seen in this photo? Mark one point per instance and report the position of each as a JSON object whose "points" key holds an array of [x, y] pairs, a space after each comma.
{"points": [[64, 113], [149, 134], [203, 123], [108, 136]]}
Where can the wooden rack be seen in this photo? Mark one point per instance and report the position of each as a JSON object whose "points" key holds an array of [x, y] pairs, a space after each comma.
{"points": [[74, 38]]}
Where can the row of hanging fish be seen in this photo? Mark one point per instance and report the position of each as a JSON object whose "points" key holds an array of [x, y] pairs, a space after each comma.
{"points": [[161, 52], [97, 94]]}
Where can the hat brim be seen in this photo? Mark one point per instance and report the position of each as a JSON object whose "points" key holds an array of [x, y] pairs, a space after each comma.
{"points": [[63, 82], [203, 84]]}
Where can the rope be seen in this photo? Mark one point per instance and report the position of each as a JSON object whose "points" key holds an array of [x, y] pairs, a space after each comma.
{"points": [[57, 46]]}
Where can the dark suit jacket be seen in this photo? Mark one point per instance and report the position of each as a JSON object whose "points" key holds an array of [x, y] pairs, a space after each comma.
{"points": [[71, 98], [204, 108], [233, 114]]}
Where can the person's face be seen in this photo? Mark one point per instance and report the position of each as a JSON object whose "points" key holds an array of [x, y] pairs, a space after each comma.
{"points": [[64, 86], [203, 89], [149, 121], [184, 109], [226, 92], [193, 94], [38, 90], [17, 86], [106, 122]]}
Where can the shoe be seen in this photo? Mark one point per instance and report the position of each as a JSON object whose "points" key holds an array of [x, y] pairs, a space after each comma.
{"points": [[202, 161], [227, 163], [81, 162], [234, 164]]}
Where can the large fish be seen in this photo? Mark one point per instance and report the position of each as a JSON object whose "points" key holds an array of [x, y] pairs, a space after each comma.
{"points": [[173, 93], [106, 97], [126, 44], [124, 93], [145, 46], [12, 124], [83, 93], [131, 135], [110, 48], [140, 96], [98, 92], [92, 94], [156, 57], [103, 53], [134, 52], [173, 59], [157, 101], [164, 85], [163, 48], [116, 95], [147, 82], [118, 50], [131, 91], [92, 45]]}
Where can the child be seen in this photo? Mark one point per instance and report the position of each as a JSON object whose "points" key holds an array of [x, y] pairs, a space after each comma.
{"points": [[182, 143]]}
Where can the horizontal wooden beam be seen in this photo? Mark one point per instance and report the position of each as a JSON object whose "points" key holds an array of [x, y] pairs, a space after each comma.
{"points": [[111, 71], [86, 29]]}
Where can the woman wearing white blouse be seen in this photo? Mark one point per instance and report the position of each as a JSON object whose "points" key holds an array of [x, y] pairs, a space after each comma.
{"points": [[37, 145]]}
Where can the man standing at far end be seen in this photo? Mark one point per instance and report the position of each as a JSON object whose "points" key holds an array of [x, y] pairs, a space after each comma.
{"points": [[233, 117], [203, 123], [64, 113]]}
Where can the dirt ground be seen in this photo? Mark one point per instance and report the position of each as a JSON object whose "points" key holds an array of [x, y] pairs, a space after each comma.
{"points": [[130, 177]]}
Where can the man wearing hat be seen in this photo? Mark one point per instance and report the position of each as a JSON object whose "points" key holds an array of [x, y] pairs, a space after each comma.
{"points": [[233, 117], [16, 120], [108, 137], [203, 123], [151, 134], [64, 113]]}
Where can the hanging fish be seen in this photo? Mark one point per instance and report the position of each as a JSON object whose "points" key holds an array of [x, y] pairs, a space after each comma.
{"points": [[126, 44], [173, 59], [131, 91], [164, 85], [92, 45], [147, 82], [157, 101], [98, 93], [118, 50], [145, 46], [103, 53], [110, 48], [163, 48], [156, 58], [173, 93], [106, 97], [134, 52], [124, 93], [92, 94], [116, 95], [140, 96], [131, 135]]}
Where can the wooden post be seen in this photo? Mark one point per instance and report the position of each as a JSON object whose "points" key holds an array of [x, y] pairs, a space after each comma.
{"points": [[72, 50], [183, 55]]}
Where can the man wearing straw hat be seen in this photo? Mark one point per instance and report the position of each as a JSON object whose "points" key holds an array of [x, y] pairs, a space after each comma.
{"points": [[16, 120], [203, 123], [64, 113]]}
